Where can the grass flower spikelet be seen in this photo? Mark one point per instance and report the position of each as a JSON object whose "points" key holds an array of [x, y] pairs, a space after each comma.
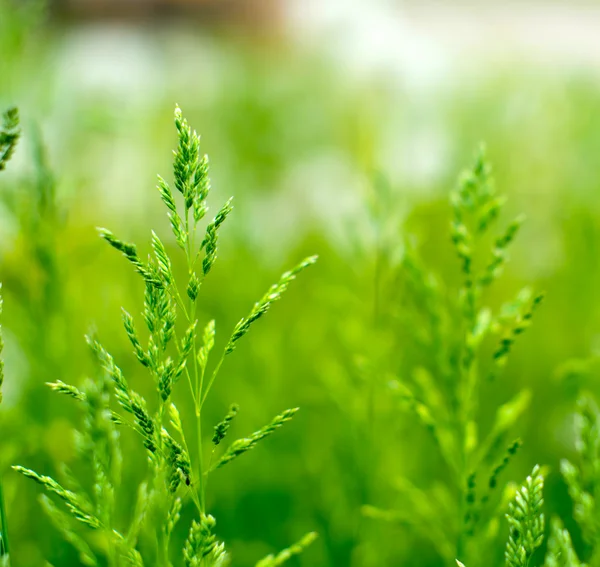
{"points": [[526, 521], [10, 133], [286, 554], [261, 307], [222, 427], [241, 446]]}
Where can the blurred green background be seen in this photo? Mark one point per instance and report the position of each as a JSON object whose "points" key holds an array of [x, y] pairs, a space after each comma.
{"points": [[298, 103]]}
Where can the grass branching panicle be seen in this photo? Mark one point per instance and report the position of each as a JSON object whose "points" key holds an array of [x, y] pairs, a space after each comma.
{"points": [[454, 331], [582, 478], [9, 135], [526, 521], [175, 349]]}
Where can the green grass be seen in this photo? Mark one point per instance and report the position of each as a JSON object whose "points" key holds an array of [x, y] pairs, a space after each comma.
{"points": [[455, 344], [455, 335], [459, 346], [173, 351], [372, 345]]}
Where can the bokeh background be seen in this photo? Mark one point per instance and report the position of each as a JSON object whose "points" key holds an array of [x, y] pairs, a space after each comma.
{"points": [[302, 105]]}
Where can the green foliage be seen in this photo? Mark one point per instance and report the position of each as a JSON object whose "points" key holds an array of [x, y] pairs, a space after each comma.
{"points": [[583, 478], [526, 524], [222, 427], [296, 144], [285, 554], [583, 483], [9, 135], [453, 332], [560, 547], [240, 446], [526, 521], [90, 509], [202, 547], [174, 348], [76, 503], [262, 306]]}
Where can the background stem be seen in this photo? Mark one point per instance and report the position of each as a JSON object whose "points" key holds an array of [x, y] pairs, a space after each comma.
{"points": [[4, 547]]}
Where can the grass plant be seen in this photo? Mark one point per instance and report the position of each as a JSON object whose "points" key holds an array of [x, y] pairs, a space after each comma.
{"points": [[174, 351], [582, 479], [467, 392], [526, 521], [461, 346]]}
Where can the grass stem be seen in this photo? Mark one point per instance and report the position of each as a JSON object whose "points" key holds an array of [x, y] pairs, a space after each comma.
{"points": [[4, 546]]}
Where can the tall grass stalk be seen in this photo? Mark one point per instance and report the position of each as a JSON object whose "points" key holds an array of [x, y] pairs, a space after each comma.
{"points": [[459, 345], [172, 347]]}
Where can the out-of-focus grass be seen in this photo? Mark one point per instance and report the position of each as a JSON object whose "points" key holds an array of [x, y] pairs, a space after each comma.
{"points": [[296, 142]]}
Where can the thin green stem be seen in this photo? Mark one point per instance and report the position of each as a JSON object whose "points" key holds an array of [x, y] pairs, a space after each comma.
{"points": [[192, 491], [195, 385], [177, 296], [197, 381], [187, 370], [189, 377], [163, 549], [201, 385], [209, 467], [201, 489], [112, 550], [212, 379], [198, 407], [4, 547]]}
